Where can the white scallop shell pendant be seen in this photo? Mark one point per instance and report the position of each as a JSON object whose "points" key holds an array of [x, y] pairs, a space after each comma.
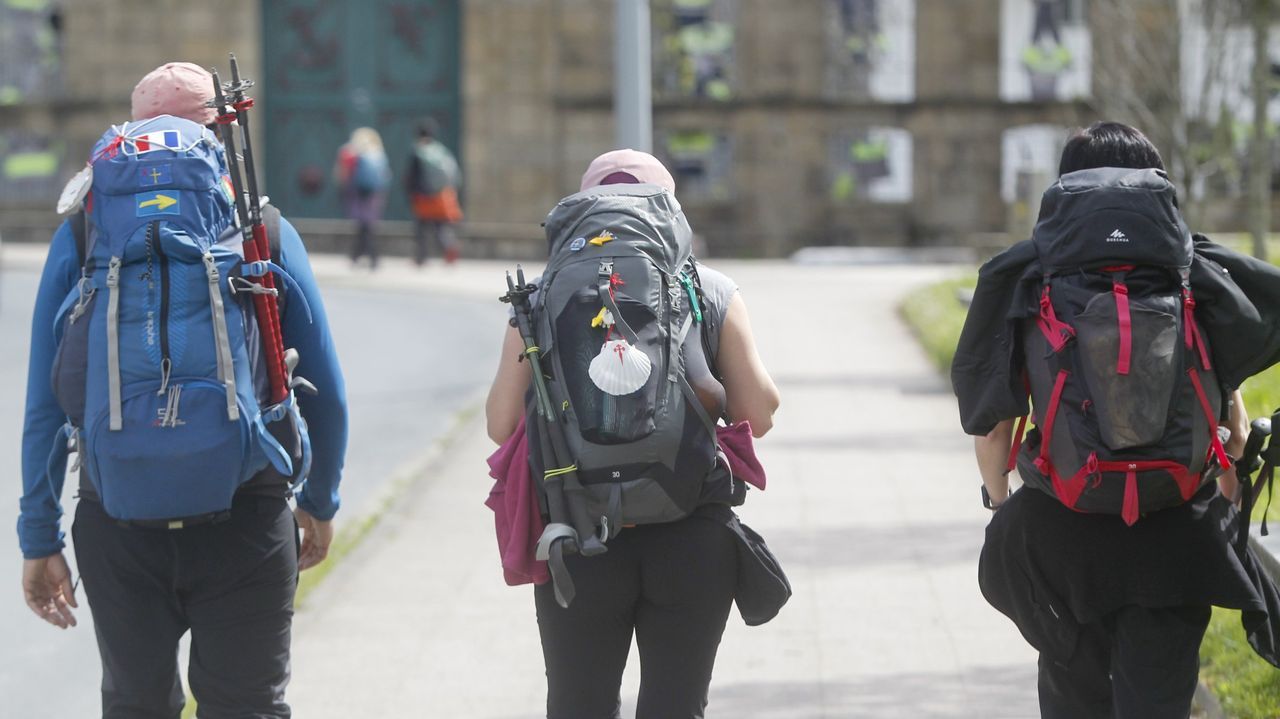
{"points": [[76, 189], [620, 368]]}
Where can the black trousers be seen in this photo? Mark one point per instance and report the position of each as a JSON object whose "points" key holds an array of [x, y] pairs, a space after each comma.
{"points": [[441, 233], [364, 243], [1136, 663], [669, 584], [231, 584]]}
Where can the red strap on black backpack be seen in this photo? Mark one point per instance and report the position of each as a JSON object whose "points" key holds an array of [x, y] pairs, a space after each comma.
{"points": [[1121, 292]]}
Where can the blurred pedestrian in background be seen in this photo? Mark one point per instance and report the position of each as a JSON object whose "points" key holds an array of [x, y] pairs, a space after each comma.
{"points": [[432, 182], [363, 174]]}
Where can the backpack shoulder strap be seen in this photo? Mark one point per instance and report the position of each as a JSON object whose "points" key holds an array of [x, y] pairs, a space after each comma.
{"points": [[84, 237], [77, 231], [80, 231], [708, 350]]}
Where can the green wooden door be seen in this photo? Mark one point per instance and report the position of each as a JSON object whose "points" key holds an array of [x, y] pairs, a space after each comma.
{"points": [[331, 66]]}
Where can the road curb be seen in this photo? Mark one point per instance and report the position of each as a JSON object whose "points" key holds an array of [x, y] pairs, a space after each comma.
{"points": [[357, 531]]}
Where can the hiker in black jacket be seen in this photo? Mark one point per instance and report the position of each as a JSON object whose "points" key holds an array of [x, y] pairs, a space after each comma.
{"points": [[1116, 603]]}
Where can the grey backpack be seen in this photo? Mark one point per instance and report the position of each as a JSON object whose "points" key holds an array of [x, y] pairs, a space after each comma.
{"points": [[617, 316]]}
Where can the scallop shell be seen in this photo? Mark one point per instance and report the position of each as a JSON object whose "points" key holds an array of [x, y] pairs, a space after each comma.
{"points": [[620, 368], [77, 188]]}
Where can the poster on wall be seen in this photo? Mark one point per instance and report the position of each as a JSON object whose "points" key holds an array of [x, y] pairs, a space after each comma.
{"points": [[1045, 50], [30, 51], [693, 49], [700, 163], [871, 165], [871, 49], [29, 164]]}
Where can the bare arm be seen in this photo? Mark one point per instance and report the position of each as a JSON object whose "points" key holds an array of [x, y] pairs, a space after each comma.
{"points": [[992, 452], [1238, 423], [750, 393], [505, 405]]}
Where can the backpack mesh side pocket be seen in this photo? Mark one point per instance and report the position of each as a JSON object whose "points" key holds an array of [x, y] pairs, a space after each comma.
{"points": [[1132, 409]]}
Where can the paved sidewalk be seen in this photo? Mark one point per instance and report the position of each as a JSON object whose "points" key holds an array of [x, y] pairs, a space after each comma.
{"points": [[872, 507]]}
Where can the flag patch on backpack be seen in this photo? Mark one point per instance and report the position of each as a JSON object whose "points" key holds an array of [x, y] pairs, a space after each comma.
{"points": [[161, 140], [153, 175]]}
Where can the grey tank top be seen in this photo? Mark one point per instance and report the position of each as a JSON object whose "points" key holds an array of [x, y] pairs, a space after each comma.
{"points": [[718, 291]]}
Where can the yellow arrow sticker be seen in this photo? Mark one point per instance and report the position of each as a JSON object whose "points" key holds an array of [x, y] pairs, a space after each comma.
{"points": [[156, 203], [602, 238]]}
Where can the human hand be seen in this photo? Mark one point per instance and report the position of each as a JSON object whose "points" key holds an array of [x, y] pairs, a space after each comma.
{"points": [[317, 535], [46, 585]]}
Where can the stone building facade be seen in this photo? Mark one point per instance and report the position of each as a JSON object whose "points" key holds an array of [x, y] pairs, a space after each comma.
{"points": [[788, 124]]}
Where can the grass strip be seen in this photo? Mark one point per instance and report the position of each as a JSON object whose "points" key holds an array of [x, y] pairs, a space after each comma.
{"points": [[1246, 686], [935, 314]]}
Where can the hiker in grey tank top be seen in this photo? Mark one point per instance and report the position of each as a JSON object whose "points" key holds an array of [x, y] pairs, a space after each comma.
{"points": [[669, 581]]}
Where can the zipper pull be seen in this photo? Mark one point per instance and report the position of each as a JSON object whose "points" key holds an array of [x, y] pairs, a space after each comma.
{"points": [[113, 273], [86, 289], [210, 267], [166, 367]]}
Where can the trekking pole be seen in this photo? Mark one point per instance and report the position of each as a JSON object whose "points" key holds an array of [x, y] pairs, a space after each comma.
{"points": [[266, 304], [575, 495], [228, 136], [559, 538]]}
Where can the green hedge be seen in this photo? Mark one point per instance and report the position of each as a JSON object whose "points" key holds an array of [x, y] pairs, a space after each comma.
{"points": [[1247, 687]]}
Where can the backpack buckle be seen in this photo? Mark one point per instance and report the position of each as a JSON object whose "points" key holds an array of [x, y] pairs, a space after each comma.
{"points": [[606, 268]]}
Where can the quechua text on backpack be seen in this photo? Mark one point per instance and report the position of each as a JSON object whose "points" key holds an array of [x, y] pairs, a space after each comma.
{"points": [[159, 365], [1126, 402]]}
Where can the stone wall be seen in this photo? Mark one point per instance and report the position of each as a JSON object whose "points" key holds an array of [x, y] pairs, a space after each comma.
{"points": [[544, 96], [107, 46], [537, 106]]}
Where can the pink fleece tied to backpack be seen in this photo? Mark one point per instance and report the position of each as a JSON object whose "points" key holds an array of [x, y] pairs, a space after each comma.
{"points": [[518, 519]]}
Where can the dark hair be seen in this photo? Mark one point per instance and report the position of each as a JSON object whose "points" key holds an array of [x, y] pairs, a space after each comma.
{"points": [[1108, 144], [428, 128]]}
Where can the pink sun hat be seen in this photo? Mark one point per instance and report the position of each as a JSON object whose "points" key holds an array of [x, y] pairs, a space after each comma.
{"points": [[618, 165], [180, 89]]}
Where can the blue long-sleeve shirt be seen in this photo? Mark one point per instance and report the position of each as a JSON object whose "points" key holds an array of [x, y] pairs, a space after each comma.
{"points": [[40, 510]]}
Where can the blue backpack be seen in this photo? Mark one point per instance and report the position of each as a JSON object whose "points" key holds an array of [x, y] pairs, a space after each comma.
{"points": [[370, 173], [158, 362]]}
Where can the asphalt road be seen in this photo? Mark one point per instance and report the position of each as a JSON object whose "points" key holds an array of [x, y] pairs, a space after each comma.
{"points": [[400, 401]]}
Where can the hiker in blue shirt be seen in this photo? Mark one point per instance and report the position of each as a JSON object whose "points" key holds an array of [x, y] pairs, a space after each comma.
{"points": [[229, 577]]}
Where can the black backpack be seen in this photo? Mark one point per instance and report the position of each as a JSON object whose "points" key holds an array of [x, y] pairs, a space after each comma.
{"points": [[1126, 402], [617, 317]]}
